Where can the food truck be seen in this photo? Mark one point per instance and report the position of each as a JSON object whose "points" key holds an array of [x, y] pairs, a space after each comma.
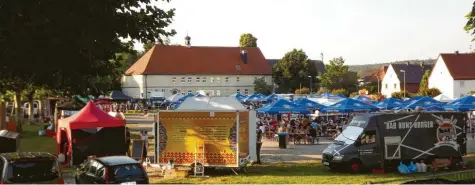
{"points": [[383, 140]]}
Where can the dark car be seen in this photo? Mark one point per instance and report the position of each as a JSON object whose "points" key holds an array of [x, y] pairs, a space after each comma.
{"points": [[29, 168], [111, 170]]}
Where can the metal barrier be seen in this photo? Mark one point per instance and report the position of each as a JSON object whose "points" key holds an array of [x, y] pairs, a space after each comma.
{"points": [[453, 176]]}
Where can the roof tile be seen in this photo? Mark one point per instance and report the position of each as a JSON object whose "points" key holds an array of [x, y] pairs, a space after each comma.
{"points": [[461, 66]]}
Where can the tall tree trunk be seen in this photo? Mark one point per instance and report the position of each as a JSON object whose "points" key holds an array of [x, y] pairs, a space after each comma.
{"points": [[18, 116], [31, 115], [40, 109], [3, 116]]}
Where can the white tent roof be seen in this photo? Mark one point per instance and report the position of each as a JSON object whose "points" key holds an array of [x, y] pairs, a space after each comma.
{"points": [[443, 98], [211, 103]]}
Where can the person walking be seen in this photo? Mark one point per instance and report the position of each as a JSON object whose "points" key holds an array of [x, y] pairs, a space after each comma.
{"points": [[144, 137]]}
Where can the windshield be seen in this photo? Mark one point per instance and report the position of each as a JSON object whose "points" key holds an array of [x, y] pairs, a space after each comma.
{"points": [[132, 171], [349, 135], [32, 171]]}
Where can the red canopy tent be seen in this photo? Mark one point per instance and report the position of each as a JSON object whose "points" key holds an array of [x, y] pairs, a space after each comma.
{"points": [[89, 117]]}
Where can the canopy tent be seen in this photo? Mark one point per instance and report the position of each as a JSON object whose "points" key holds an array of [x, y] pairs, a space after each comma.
{"points": [[90, 117], [83, 99], [282, 106], [434, 108], [238, 96], [199, 95], [309, 104], [174, 98], [412, 100], [185, 97], [326, 98], [464, 104], [424, 103], [389, 103], [119, 96], [349, 105], [211, 103], [443, 98], [254, 98], [271, 98], [364, 99]]}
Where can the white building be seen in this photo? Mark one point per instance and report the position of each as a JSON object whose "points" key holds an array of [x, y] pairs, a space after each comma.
{"points": [[400, 76], [218, 71], [454, 74]]}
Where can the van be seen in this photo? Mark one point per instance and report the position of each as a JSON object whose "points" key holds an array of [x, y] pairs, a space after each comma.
{"points": [[35, 109], [383, 140]]}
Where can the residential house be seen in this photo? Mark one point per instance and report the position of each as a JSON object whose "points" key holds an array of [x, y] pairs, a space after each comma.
{"points": [[406, 75], [454, 74], [218, 71]]}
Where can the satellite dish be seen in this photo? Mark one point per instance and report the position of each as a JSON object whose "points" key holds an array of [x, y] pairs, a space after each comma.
{"points": [[238, 67]]}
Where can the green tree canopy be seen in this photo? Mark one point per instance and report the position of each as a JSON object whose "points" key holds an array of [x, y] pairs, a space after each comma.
{"points": [[336, 75], [424, 81], [293, 71], [247, 40], [261, 86]]}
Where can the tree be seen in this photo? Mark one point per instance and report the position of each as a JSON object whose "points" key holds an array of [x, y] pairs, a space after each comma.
{"points": [[303, 90], [432, 92], [247, 40], [424, 81], [341, 91], [68, 55], [470, 25], [292, 71], [261, 86], [336, 75]]}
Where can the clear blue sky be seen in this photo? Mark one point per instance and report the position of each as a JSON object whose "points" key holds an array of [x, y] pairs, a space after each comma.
{"points": [[361, 31]]}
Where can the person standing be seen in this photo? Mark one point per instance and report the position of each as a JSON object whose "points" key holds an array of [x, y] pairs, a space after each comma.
{"points": [[127, 141], [144, 137]]}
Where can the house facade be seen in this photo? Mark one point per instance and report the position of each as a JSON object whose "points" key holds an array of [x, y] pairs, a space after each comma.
{"points": [[400, 76], [454, 74], [217, 71]]}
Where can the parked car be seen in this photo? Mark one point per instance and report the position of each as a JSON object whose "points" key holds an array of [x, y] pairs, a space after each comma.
{"points": [[29, 168], [111, 170]]}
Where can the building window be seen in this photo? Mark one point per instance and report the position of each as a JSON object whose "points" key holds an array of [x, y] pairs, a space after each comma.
{"points": [[265, 79], [226, 92], [238, 91], [182, 79], [156, 90], [237, 79], [218, 92], [163, 90], [226, 79], [211, 80], [203, 79], [189, 91], [462, 84], [386, 86], [246, 91], [394, 86], [197, 79], [174, 79], [189, 80], [218, 79]]}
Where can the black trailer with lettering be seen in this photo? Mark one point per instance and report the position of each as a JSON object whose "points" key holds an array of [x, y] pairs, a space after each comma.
{"points": [[382, 140]]}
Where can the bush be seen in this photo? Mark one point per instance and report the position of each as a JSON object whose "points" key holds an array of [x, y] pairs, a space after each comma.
{"points": [[353, 94], [432, 92], [302, 91], [322, 91], [340, 91], [471, 93], [400, 95]]}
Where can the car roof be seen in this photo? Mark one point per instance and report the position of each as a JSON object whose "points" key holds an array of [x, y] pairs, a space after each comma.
{"points": [[116, 160], [14, 156]]}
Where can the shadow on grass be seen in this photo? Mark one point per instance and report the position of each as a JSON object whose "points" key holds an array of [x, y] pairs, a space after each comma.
{"points": [[30, 141]]}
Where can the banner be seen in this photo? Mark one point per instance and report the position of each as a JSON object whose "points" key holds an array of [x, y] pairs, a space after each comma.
{"points": [[243, 134], [182, 136]]}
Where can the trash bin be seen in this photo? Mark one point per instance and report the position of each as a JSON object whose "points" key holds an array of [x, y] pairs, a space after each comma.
{"points": [[258, 152], [10, 141], [282, 140]]}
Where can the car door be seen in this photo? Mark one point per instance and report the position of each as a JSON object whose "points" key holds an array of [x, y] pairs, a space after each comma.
{"points": [[81, 174], [369, 151]]}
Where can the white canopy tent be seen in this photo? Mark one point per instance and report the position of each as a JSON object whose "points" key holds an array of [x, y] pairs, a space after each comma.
{"points": [[211, 104], [443, 98]]}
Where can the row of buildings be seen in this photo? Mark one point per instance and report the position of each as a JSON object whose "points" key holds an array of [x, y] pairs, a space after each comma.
{"points": [[217, 71], [453, 74]]}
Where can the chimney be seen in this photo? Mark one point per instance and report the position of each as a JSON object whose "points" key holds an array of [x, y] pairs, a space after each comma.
{"points": [[244, 56], [188, 41], [408, 63], [456, 52]]}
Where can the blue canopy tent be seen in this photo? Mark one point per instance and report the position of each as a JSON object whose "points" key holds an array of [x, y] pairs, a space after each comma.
{"points": [[413, 100], [326, 98], [389, 103], [364, 99], [254, 98], [424, 103], [309, 104], [341, 96], [434, 108], [349, 105], [174, 98], [463, 104], [199, 95], [185, 97], [282, 106], [271, 98]]}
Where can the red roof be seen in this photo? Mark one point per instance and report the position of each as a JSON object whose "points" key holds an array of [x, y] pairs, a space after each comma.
{"points": [[90, 117], [461, 66], [182, 60]]}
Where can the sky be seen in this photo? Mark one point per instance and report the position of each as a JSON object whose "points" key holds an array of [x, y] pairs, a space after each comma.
{"points": [[360, 31]]}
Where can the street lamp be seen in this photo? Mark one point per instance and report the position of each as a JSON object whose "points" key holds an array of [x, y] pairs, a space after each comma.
{"points": [[403, 71], [310, 84]]}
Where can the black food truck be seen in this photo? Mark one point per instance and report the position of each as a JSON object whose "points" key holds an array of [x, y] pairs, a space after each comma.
{"points": [[383, 140]]}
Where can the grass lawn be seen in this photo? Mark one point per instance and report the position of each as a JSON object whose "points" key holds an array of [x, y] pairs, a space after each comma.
{"points": [[30, 141]]}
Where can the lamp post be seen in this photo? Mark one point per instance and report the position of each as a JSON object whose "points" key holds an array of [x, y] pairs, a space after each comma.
{"points": [[310, 84], [403, 71]]}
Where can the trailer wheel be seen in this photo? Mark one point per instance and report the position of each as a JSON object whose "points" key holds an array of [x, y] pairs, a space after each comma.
{"points": [[355, 166]]}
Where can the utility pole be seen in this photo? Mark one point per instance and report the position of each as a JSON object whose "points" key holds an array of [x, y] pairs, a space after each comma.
{"points": [[404, 82]]}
